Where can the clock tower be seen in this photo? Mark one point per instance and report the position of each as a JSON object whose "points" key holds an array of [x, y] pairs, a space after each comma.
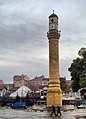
{"points": [[54, 93]]}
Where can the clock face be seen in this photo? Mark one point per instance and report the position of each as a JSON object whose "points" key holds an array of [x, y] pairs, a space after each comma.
{"points": [[52, 26]]}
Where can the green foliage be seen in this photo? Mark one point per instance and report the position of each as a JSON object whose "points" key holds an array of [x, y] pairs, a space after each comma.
{"points": [[4, 101], [82, 52], [83, 91], [78, 71], [76, 68], [82, 82], [75, 85], [63, 84], [17, 99], [28, 101]]}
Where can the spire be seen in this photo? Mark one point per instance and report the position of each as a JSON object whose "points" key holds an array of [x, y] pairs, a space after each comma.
{"points": [[53, 11]]}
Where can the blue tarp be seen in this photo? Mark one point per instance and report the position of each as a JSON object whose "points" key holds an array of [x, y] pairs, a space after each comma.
{"points": [[19, 105]]}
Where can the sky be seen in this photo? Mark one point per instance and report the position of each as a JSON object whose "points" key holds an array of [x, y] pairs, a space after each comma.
{"points": [[24, 47]]}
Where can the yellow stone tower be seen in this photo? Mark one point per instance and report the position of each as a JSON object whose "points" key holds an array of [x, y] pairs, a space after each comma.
{"points": [[54, 93]]}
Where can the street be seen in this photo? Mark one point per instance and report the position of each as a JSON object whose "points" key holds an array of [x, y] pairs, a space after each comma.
{"points": [[7, 113]]}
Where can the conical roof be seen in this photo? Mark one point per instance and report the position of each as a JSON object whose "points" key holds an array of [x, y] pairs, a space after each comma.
{"points": [[53, 15]]}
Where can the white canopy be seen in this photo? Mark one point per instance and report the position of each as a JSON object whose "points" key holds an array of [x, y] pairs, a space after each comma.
{"points": [[22, 91]]}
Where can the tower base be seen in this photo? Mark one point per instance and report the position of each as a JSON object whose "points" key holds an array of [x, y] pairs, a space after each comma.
{"points": [[54, 98], [54, 94]]}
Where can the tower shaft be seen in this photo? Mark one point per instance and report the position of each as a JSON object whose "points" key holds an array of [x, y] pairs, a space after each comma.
{"points": [[54, 93]]}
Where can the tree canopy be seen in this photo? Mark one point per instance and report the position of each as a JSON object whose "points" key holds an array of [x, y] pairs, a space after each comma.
{"points": [[78, 71]]}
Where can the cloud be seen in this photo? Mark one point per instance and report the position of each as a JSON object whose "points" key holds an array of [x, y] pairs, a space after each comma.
{"points": [[23, 41]]}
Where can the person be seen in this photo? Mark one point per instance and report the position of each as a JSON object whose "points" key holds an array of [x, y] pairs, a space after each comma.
{"points": [[58, 111], [53, 111]]}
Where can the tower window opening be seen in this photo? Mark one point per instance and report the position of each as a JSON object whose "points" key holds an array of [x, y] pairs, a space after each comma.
{"points": [[52, 20]]}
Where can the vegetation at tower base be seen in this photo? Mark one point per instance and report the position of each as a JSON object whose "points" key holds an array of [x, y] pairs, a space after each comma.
{"points": [[63, 84], [28, 101], [9, 100], [78, 71], [17, 99]]}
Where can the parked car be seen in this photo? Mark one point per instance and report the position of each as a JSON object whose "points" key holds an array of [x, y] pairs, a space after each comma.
{"points": [[19, 105], [82, 106]]}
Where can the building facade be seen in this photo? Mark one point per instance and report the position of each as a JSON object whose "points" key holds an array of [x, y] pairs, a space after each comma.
{"points": [[20, 80]]}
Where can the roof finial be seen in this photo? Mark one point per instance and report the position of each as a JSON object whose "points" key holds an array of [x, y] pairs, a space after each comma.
{"points": [[53, 11]]}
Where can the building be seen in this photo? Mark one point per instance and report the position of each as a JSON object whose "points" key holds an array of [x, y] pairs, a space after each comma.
{"points": [[20, 80], [69, 82], [37, 83], [3, 90], [1, 82]]}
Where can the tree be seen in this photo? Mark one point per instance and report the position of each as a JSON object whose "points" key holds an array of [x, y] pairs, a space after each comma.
{"points": [[82, 82], [63, 84], [78, 70], [75, 72], [17, 99], [82, 52], [28, 101]]}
